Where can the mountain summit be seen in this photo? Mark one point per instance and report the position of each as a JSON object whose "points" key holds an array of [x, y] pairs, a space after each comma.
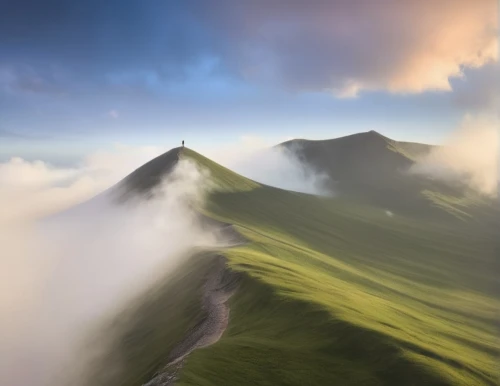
{"points": [[370, 167], [151, 173]]}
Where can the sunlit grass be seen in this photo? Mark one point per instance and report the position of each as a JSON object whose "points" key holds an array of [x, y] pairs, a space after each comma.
{"points": [[334, 293], [424, 290]]}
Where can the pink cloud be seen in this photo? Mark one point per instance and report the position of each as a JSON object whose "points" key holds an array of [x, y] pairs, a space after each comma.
{"points": [[347, 47]]}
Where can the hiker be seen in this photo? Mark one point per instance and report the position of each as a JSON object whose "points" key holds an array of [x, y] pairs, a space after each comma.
{"points": [[182, 143]]}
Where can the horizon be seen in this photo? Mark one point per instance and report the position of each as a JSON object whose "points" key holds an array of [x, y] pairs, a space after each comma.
{"points": [[213, 150]]}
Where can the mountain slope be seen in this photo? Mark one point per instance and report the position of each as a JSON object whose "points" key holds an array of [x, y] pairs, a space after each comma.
{"points": [[334, 292], [150, 174], [374, 169]]}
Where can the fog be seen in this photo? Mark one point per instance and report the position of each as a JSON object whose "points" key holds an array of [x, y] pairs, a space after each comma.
{"points": [[470, 155], [31, 190], [65, 272], [281, 168], [72, 257], [272, 165]]}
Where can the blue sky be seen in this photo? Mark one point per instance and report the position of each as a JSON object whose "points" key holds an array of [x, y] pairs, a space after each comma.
{"points": [[78, 76]]}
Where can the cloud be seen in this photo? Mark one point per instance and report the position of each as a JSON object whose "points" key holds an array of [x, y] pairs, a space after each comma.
{"points": [[470, 155], [28, 79], [113, 114], [338, 46], [259, 160], [479, 90], [35, 189], [93, 40], [350, 46], [68, 271]]}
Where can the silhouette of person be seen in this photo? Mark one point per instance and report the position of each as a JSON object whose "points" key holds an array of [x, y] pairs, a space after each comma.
{"points": [[182, 143]]}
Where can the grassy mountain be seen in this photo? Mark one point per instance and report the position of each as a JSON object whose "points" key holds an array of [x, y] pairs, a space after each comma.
{"points": [[150, 174], [375, 169], [333, 292]]}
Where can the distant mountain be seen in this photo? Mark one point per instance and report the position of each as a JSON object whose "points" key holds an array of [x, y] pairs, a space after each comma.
{"points": [[375, 169]]}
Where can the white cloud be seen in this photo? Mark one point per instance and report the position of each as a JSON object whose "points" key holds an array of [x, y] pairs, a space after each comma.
{"points": [[19, 173], [33, 189], [470, 155], [68, 271]]}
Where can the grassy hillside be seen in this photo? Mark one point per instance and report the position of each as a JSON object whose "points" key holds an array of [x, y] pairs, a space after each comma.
{"points": [[372, 168], [335, 292]]}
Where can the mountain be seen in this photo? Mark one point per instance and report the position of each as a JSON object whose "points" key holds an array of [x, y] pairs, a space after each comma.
{"points": [[149, 175], [376, 170], [359, 157], [325, 291]]}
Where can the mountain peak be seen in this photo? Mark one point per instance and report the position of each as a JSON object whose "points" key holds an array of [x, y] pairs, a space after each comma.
{"points": [[151, 173], [374, 133]]}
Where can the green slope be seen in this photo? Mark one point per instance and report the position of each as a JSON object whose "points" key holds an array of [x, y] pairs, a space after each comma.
{"points": [[374, 169], [334, 293]]}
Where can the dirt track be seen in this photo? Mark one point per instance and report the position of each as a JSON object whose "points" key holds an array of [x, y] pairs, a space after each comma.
{"points": [[219, 287]]}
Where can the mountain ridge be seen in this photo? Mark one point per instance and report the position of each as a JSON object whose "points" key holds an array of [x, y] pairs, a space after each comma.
{"points": [[333, 292], [367, 167], [375, 169]]}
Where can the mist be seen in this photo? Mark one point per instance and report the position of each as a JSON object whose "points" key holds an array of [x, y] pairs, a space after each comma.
{"points": [[470, 156], [66, 272], [33, 189], [275, 166]]}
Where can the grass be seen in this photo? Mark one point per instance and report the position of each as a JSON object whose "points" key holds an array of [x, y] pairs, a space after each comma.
{"points": [[138, 340], [335, 293]]}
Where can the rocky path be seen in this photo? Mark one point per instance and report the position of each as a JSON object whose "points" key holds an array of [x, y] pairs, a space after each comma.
{"points": [[218, 288]]}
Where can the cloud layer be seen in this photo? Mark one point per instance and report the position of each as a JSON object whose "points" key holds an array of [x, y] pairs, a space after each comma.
{"points": [[349, 46], [31, 190], [481, 89], [341, 46], [67, 272]]}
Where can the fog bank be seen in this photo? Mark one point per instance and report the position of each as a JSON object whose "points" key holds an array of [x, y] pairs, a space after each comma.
{"points": [[66, 272]]}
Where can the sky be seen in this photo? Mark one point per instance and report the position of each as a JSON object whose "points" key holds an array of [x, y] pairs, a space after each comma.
{"points": [[78, 77]]}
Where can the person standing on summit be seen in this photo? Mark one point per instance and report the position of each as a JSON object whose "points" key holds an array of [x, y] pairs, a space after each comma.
{"points": [[182, 143]]}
